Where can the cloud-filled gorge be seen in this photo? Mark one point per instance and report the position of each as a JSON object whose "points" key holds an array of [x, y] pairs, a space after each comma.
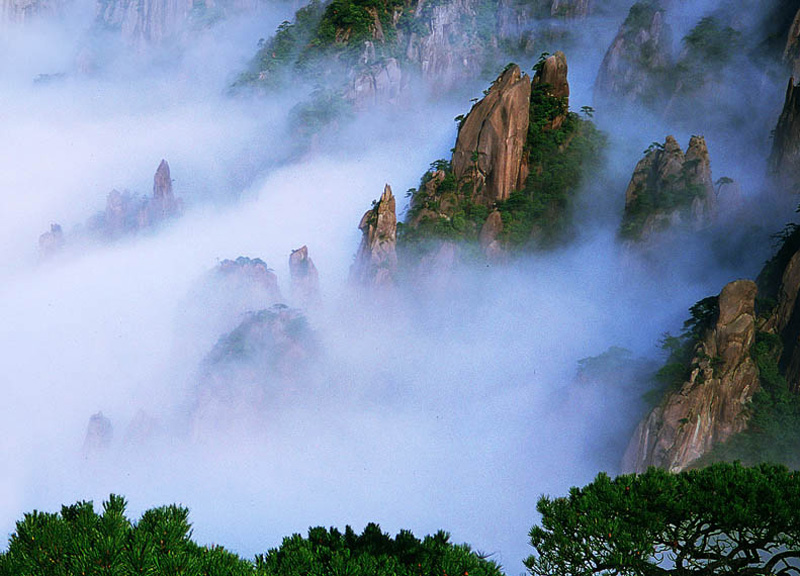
{"points": [[452, 400]]}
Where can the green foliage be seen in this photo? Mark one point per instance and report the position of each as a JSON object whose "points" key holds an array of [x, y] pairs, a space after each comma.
{"points": [[724, 519], [323, 108], [640, 16], [769, 279], [656, 195], [773, 432], [276, 56], [372, 553], [558, 160], [709, 47], [682, 349], [711, 43], [78, 541]]}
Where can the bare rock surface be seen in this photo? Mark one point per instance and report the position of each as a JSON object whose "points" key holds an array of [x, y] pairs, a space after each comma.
{"points": [[490, 144], [711, 406], [376, 260]]}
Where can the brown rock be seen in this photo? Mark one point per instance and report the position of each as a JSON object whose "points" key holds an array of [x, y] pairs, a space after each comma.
{"points": [[305, 279], [553, 73], [711, 406], [674, 188], [488, 238], [376, 260], [490, 143], [164, 201]]}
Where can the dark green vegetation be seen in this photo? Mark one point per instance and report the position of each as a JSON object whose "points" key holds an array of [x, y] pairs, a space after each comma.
{"points": [[773, 431], [559, 157], [724, 519], [708, 48], [657, 196], [682, 349], [559, 160], [325, 40], [78, 541]]}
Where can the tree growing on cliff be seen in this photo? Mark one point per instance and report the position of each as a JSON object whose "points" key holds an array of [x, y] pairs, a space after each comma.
{"points": [[724, 519]]}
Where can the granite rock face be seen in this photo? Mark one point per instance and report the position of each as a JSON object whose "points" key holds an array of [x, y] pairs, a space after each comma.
{"points": [[304, 276], [669, 188], [154, 22], [641, 51], [491, 141], [376, 260], [711, 406], [784, 162]]}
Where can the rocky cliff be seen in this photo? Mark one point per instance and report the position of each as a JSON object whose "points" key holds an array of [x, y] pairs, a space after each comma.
{"points": [[376, 260], [518, 162], [784, 162], [304, 276], [21, 11], [669, 188], [791, 52], [99, 435], [127, 213], [491, 139], [637, 59], [153, 22], [711, 406], [261, 361], [251, 276]]}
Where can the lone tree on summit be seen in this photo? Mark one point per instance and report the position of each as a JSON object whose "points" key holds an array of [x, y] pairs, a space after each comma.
{"points": [[722, 520]]}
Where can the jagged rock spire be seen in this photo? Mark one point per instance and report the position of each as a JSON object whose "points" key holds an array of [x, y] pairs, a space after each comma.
{"points": [[376, 260], [305, 279], [784, 161]]}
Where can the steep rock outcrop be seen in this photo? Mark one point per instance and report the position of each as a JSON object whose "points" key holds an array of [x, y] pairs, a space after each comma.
{"points": [[251, 275], [99, 434], [450, 48], [791, 52], [710, 407], [126, 213], [144, 22], [632, 67], [379, 83], [784, 161], [265, 358], [304, 276], [489, 236], [669, 188], [21, 11], [491, 140], [551, 76], [51, 242], [376, 261], [164, 203]]}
